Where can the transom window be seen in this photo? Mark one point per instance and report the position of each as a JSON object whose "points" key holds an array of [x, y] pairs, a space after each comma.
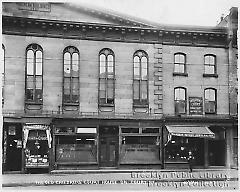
{"points": [[179, 63], [106, 76], [140, 78], [180, 100], [210, 64], [210, 100], [34, 78], [71, 75]]}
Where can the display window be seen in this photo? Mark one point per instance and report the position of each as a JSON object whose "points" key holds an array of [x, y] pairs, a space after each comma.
{"points": [[37, 149], [140, 146], [80, 148], [178, 148]]}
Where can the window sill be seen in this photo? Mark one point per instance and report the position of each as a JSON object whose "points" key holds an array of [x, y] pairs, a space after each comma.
{"points": [[140, 105], [33, 103], [71, 104], [106, 105], [180, 74], [210, 75]]}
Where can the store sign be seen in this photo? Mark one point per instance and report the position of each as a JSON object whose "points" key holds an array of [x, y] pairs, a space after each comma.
{"points": [[86, 130], [42, 7], [195, 105]]}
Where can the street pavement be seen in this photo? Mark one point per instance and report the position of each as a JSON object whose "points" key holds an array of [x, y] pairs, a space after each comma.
{"points": [[226, 179]]}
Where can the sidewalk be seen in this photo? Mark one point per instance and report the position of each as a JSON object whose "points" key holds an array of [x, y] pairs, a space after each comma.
{"points": [[80, 177]]}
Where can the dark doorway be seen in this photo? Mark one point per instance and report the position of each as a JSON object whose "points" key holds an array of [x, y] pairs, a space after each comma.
{"points": [[108, 146], [216, 149], [13, 132]]}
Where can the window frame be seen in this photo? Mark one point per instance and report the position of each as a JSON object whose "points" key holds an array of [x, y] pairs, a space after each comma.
{"points": [[215, 102], [3, 71], [177, 73], [141, 102], [107, 78], [34, 75], [71, 50], [210, 65], [184, 101]]}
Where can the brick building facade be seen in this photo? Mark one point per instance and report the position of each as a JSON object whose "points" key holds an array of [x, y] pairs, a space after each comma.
{"points": [[85, 88]]}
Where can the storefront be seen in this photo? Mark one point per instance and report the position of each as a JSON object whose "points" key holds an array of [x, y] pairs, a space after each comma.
{"points": [[184, 140], [37, 146]]}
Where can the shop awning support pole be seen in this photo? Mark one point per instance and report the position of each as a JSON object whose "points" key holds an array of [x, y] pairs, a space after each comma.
{"points": [[162, 145]]}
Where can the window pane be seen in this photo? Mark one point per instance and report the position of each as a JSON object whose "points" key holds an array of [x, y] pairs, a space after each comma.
{"points": [[136, 90], [3, 64], [75, 70], [66, 94], [110, 88], [67, 62], [29, 94], [179, 94], [210, 94], [30, 62], [102, 89], [67, 83], [75, 90], [102, 65], [38, 95], [144, 68], [179, 58], [144, 90], [180, 106], [110, 66], [210, 107], [39, 63], [209, 69], [30, 82], [211, 60], [136, 67], [38, 82]]}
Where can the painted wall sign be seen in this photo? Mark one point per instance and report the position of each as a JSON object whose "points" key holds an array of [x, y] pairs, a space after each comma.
{"points": [[195, 105], [42, 7]]}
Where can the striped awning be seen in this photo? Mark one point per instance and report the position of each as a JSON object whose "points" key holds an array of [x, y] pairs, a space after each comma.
{"points": [[190, 131]]}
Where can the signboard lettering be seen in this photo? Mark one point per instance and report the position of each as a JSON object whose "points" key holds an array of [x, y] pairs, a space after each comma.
{"points": [[42, 7], [195, 105]]}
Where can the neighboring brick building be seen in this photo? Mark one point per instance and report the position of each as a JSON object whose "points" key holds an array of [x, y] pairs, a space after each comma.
{"points": [[89, 89]]}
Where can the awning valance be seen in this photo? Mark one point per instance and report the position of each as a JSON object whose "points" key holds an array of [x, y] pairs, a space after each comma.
{"points": [[190, 131]]}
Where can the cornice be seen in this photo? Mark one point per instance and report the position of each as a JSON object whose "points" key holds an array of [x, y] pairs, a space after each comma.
{"points": [[27, 26]]}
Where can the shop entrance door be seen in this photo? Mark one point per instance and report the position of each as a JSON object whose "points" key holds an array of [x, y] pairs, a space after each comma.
{"points": [[216, 149], [108, 148], [14, 148]]}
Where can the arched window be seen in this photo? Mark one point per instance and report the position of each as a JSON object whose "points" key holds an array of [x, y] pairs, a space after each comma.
{"points": [[34, 78], [179, 63], [3, 71], [71, 75], [210, 100], [140, 78], [106, 77], [180, 100], [210, 64]]}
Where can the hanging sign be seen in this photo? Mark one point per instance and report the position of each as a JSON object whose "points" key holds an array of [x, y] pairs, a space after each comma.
{"points": [[195, 105]]}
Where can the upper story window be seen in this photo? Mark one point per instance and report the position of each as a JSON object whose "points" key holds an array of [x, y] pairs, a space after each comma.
{"points": [[71, 75], [34, 78], [140, 78], [179, 63], [210, 100], [180, 100], [106, 77], [210, 64], [3, 71]]}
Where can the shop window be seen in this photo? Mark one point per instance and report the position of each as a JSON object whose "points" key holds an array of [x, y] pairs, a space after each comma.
{"points": [[3, 71], [150, 130], [180, 100], [178, 148], [210, 101], [80, 148], [106, 77], [140, 78], [34, 79], [71, 75], [179, 63], [210, 65]]}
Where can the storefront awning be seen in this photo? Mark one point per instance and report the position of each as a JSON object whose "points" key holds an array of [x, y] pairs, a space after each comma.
{"points": [[37, 120], [190, 131]]}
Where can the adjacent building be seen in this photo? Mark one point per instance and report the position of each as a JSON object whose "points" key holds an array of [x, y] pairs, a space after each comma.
{"points": [[85, 88]]}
